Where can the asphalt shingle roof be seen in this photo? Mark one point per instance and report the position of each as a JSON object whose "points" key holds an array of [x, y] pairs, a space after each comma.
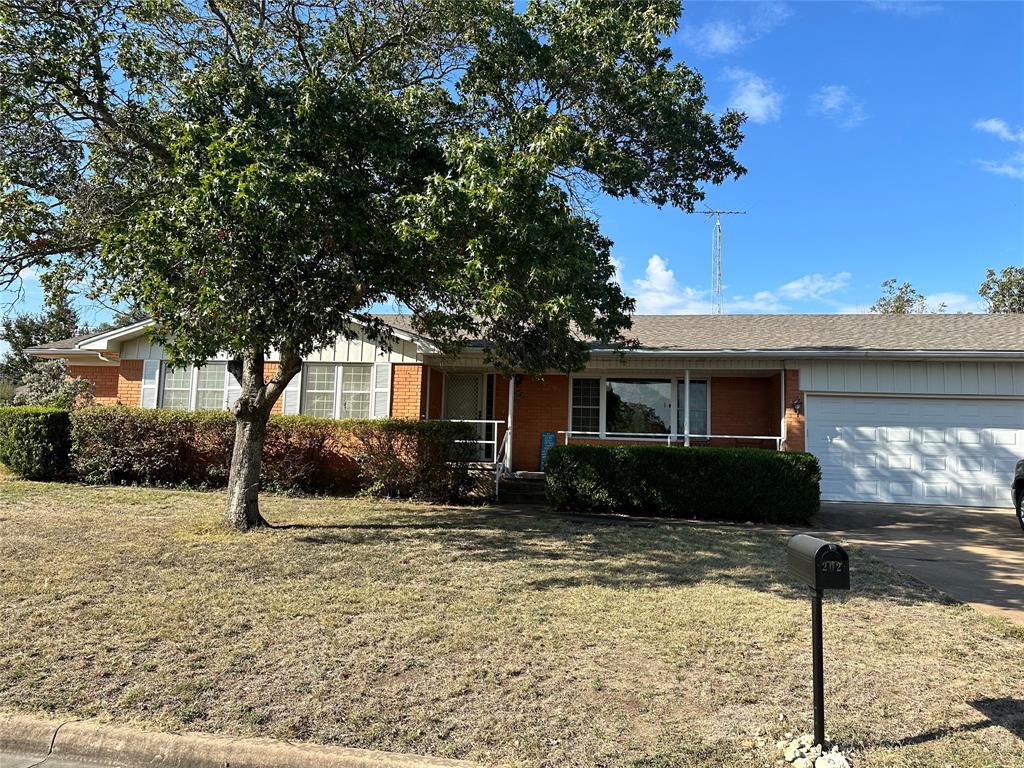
{"points": [[800, 333]]}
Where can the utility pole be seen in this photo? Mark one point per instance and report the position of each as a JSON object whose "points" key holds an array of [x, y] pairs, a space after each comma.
{"points": [[716, 257]]}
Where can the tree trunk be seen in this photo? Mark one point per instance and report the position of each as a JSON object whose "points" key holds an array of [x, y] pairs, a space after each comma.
{"points": [[243, 506], [252, 411]]}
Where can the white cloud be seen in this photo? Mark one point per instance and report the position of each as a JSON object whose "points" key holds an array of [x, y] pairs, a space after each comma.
{"points": [[955, 302], [1013, 166], [836, 103], [724, 36], [999, 127], [814, 287], [660, 293], [754, 95], [910, 8]]}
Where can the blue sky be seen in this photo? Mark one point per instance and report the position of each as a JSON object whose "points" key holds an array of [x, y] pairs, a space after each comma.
{"points": [[886, 139]]}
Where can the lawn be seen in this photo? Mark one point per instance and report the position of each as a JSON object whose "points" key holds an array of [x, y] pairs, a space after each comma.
{"points": [[512, 640]]}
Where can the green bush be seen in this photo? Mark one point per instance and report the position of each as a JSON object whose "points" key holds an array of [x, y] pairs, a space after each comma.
{"points": [[134, 446], [418, 459], [34, 441], [738, 484]]}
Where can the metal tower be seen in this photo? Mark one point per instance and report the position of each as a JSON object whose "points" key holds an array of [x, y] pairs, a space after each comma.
{"points": [[716, 257]]}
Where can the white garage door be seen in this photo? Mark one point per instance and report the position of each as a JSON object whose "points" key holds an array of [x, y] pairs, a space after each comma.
{"points": [[953, 451]]}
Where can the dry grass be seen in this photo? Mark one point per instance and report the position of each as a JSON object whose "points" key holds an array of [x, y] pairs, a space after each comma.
{"points": [[512, 640]]}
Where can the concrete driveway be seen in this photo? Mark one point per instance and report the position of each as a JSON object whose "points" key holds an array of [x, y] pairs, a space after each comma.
{"points": [[974, 555]]}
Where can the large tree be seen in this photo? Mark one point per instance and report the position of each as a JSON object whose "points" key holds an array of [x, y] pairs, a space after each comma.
{"points": [[256, 173], [1004, 292], [897, 299]]}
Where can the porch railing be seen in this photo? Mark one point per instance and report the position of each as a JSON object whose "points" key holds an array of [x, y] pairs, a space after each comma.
{"points": [[486, 441], [647, 437]]}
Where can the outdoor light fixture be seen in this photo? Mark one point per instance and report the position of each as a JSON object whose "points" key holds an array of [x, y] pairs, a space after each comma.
{"points": [[797, 406]]}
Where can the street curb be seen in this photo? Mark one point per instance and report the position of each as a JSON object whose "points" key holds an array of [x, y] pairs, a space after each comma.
{"points": [[114, 745], [27, 735]]}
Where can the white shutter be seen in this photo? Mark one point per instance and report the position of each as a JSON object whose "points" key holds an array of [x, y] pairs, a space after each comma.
{"points": [[290, 396], [150, 383], [381, 408], [232, 389]]}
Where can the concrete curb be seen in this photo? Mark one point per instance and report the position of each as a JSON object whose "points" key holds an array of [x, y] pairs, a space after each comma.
{"points": [[27, 735], [113, 745]]}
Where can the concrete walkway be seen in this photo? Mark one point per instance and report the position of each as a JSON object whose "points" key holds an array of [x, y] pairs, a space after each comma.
{"points": [[973, 555]]}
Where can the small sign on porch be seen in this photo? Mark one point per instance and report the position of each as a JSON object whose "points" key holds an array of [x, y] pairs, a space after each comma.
{"points": [[547, 442]]}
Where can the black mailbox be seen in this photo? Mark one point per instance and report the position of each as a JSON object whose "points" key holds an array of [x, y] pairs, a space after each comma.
{"points": [[817, 563]]}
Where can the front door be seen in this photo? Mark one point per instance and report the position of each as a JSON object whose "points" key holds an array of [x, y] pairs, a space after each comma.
{"points": [[464, 401]]}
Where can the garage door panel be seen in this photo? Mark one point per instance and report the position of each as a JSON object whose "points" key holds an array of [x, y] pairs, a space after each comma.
{"points": [[916, 450]]}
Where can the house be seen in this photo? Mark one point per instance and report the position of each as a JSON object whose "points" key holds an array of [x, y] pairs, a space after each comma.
{"points": [[917, 409]]}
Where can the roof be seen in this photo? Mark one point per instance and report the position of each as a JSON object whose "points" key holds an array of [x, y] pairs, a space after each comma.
{"points": [[836, 334], [831, 333]]}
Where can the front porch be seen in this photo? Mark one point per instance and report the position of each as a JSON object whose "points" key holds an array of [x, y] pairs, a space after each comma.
{"points": [[519, 418]]}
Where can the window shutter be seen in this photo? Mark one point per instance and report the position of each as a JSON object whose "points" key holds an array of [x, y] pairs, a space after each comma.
{"points": [[381, 391], [150, 383], [232, 389], [290, 396]]}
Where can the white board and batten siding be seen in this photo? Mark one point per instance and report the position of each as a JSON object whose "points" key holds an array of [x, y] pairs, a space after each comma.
{"points": [[894, 377]]}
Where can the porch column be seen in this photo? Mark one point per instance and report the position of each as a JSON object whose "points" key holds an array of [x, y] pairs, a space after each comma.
{"points": [[781, 443], [508, 426], [686, 407]]}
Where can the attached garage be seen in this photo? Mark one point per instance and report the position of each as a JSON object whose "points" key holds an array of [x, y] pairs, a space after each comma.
{"points": [[916, 450]]}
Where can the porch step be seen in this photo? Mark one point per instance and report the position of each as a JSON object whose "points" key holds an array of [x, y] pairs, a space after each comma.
{"points": [[520, 490]]}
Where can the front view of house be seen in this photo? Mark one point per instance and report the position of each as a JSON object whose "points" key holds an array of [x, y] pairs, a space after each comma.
{"points": [[925, 409]]}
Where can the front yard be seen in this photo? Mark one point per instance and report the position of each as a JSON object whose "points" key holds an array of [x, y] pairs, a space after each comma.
{"points": [[511, 640]]}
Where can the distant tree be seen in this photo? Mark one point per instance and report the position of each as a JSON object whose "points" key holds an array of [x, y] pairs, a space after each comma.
{"points": [[902, 300], [58, 320], [49, 383], [1004, 293], [256, 173]]}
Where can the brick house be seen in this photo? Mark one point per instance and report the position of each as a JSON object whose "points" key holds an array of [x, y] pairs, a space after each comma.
{"points": [[917, 408]]}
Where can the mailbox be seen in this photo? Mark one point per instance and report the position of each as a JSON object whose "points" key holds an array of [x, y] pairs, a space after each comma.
{"points": [[817, 563]]}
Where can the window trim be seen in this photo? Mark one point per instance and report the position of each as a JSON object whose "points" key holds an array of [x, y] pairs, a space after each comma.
{"points": [[675, 381], [339, 387]]}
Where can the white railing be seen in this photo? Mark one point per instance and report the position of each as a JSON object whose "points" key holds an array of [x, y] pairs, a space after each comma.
{"points": [[502, 461], [647, 437], [487, 439]]}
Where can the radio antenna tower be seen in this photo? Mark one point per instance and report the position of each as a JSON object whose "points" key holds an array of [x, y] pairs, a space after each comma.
{"points": [[716, 257]]}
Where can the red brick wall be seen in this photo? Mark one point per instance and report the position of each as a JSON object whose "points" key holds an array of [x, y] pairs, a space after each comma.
{"points": [[407, 395], [794, 422], [541, 406], [745, 405], [104, 381], [129, 382]]}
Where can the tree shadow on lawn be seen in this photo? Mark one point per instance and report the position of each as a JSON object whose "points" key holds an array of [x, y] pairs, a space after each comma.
{"points": [[567, 552], [1006, 713]]}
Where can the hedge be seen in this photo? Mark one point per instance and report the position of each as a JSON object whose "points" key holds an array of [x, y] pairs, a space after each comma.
{"points": [[390, 457], [737, 484], [134, 446], [34, 441]]}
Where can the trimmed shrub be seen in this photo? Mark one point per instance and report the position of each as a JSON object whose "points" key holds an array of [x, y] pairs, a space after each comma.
{"points": [[34, 441], [135, 446], [416, 459], [737, 484]]}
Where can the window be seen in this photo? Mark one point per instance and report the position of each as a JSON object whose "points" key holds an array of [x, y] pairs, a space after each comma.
{"points": [[175, 386], [642, 406], [210, 387], [586, 405], [318, 390], [698, 408], [355, 391]]}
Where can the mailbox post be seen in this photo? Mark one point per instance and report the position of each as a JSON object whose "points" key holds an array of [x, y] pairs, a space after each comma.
{"points": [[820, 565]]}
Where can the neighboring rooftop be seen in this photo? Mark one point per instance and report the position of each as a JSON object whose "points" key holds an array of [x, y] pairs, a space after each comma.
{"points": [[783, 333]]}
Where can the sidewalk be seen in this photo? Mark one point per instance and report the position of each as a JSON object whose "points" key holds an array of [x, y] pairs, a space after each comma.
{"points": [[27, 742]]}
